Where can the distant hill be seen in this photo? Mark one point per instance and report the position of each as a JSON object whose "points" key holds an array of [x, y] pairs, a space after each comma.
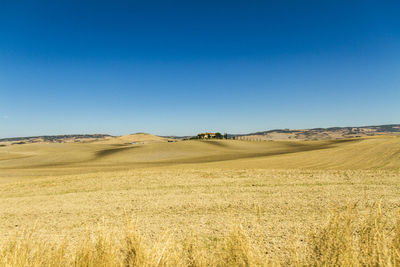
{"points": [[138, 138], [277, 134], [323, 133], [68, 138]]}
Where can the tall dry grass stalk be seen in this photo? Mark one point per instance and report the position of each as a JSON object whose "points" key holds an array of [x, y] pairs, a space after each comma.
{"points": [[349, 238]]}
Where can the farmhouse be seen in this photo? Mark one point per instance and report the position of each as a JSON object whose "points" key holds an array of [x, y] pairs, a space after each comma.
{"points": [[206, 135]]}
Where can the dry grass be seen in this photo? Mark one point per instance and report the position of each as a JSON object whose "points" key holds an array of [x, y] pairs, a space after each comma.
{"points": [[193, 203], [347, 239], [353, 239]]}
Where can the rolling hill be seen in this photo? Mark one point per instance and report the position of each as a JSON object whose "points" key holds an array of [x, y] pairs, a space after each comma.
{"points": [[273, 135], [52, 158], [138, 138], [270, 188], [323, 133]]}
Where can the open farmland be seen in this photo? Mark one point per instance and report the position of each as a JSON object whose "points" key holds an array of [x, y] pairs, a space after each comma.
{"points": [[276, 192]]}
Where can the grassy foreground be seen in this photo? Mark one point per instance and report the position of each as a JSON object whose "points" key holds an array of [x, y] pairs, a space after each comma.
{"points": [[346, 239], [194, 203]]}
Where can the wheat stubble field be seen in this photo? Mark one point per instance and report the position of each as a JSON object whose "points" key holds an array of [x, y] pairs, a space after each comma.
{"points": [[201, 203]]}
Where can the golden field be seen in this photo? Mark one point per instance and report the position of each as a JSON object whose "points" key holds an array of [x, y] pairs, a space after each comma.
{"points": [[201, 203]]}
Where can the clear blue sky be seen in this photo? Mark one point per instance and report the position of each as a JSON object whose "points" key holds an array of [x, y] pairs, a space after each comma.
{"points": [[182, 67]]}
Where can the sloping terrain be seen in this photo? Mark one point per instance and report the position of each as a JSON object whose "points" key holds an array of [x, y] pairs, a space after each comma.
{"points": [[345, 154], [323, 133], [141, 138], [164, 153], [275, 190], [69, 138], [44, 158]]}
